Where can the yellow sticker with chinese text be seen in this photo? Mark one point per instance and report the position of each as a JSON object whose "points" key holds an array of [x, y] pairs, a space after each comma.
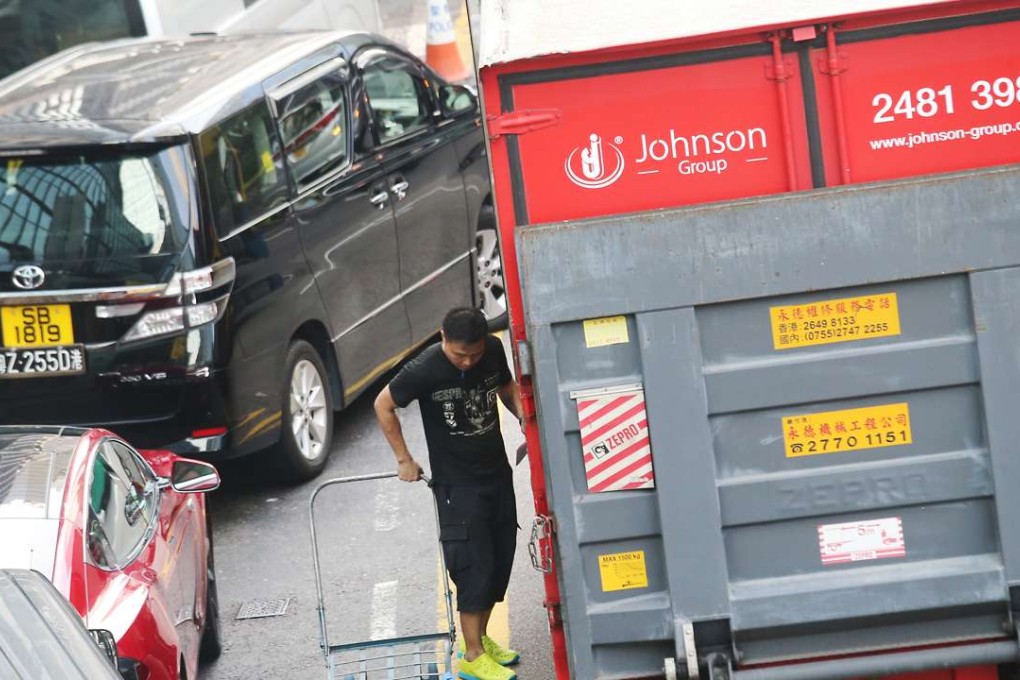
{"points": [[828, 321], [609, 330], [851, 430], [623, 571]]}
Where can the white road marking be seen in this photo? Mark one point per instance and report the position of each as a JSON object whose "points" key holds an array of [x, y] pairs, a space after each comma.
{"points": [[387, 509], [384, 610]]}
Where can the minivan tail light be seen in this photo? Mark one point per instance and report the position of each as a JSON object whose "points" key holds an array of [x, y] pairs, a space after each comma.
{"points": [[158, 322], [114, 311], [199, 315], [172, 319], [189, 313], [202, 279]]}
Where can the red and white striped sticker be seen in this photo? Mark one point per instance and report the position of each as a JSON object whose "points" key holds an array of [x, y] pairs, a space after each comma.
{"points": [[873, 539], [614, 439]]}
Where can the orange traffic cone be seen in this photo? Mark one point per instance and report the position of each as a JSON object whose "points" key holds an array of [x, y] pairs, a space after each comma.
{"points": [[441, 51]]}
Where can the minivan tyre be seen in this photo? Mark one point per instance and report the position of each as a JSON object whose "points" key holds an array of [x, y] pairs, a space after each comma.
{"points": [[490, 287], [307, 424]]}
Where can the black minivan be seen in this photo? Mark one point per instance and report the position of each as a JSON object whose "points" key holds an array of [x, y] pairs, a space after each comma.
{"points": [[211, 244]]}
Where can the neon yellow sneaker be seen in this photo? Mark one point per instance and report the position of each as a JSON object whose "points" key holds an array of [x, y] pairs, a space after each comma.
{"points": [[499, 654], [504, 657], [484, 668]]}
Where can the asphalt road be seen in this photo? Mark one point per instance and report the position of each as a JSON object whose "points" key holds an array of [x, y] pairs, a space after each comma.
{"points": [[378, 553]]}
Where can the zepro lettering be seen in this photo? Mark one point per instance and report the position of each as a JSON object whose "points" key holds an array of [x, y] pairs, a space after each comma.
{"points": [[704, 153]]}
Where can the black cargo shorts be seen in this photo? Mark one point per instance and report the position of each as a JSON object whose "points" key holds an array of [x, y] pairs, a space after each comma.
{"points": [[478, 530]]}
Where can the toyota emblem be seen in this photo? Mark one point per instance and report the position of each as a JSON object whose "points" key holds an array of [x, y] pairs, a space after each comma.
{"points": [[28, 277]]}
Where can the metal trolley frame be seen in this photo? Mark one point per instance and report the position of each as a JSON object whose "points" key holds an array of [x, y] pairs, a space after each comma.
{"points": [[413, 657]]}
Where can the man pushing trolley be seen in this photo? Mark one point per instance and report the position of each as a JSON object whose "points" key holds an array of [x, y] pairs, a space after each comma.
{"points": [[456, 383]]}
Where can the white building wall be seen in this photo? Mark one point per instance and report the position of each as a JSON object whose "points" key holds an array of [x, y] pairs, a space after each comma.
{"points": [[181, 17], [518, 29]]}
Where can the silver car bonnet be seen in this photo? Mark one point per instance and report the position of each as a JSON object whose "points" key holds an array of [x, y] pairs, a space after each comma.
{"points": [[28, 544], [33, 470], [33, 475]]}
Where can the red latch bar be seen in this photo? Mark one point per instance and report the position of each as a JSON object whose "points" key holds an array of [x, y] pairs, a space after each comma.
{"points": [[781, 76], [519, 122], [835, 70]]}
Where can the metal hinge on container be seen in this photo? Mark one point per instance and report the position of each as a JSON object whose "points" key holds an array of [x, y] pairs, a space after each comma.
{"points": [[519, 122], [691, 652], [524, 357], [540, 545], [553, 614]]}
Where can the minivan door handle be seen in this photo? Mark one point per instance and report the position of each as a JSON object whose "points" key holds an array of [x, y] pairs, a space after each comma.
{"points": [[399, 187], [380, 198]]}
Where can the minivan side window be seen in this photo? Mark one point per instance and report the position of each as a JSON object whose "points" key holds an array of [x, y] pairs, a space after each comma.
{"points": [[398, 96], [456, 99], [313, 122], [243, 168]]}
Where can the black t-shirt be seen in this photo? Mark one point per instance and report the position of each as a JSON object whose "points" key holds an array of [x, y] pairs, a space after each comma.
{"points": [[459, 412]]}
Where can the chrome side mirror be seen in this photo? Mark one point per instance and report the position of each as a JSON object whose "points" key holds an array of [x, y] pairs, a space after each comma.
{"points": [[193, 476]]}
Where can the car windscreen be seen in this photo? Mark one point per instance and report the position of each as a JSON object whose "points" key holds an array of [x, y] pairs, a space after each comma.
{"points": [[93, 205]]}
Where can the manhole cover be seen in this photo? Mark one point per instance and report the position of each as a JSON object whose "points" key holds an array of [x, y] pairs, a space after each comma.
{"points": [[261, 609]]}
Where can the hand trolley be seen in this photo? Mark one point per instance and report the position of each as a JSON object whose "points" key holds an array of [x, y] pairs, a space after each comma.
{"points": [[414, 657]]}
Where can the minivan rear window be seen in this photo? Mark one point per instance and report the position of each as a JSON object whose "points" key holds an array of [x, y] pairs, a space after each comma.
{"points": [[93, 206]]}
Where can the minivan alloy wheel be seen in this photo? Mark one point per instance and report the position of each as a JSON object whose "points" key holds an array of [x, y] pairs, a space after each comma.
{"points": [[307, 423], [308, 410], [489, 273]]}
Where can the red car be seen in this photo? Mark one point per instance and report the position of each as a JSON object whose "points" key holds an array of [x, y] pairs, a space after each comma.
{"points": [[122, 534]]}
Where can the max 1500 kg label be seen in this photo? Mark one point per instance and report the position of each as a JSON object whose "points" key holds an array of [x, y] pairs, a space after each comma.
{"points": [[828, 321], [623, 571]]}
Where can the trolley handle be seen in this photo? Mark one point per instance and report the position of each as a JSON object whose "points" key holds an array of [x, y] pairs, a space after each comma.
{"points": [[323, 634], [359, 478]]}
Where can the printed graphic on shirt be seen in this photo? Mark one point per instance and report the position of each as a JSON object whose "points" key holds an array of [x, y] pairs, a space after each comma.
{"points": [[448, 415], [470, 412]]}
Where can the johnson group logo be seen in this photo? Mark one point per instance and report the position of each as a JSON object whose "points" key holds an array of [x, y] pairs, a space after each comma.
{"points": [[590, 167], [709, 153]]}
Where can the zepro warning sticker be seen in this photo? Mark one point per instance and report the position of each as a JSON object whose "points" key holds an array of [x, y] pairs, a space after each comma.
{"points": [[609, 330], [623, 571], [873, 539], [850, 430], [829, 321], [615, 440]]}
